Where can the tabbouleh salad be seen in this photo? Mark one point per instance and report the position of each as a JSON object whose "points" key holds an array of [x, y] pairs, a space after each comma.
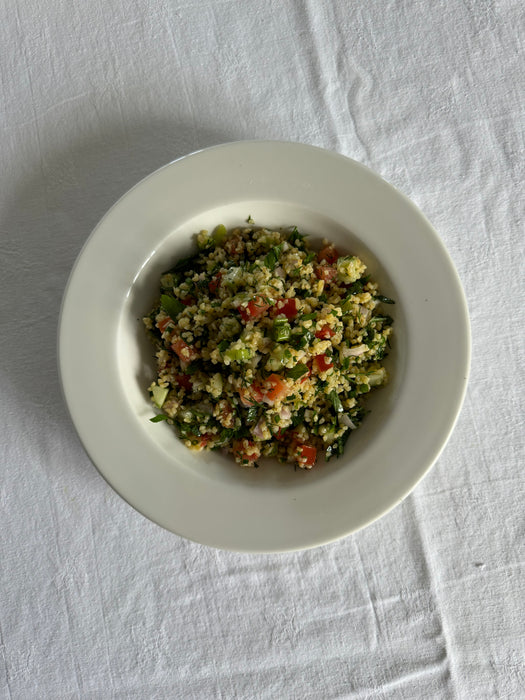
{"points": [[265, 347]]}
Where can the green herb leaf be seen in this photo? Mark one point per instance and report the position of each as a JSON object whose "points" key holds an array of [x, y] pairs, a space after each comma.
{"points": [[158, 418], [308, 258], [303, 339], [273, 256], [298, 417], [308, 317], [296, 238], [385, 300], [297, 371], [171, 306]]}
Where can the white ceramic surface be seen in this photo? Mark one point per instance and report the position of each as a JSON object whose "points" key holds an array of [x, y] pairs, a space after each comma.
{"points": [[106, 361]]}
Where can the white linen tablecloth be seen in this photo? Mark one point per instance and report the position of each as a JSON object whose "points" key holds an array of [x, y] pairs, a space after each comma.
{"points": [[96, 601]]}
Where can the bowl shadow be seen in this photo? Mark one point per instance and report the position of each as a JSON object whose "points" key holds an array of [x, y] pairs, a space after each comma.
{"points": [[49, 215]]}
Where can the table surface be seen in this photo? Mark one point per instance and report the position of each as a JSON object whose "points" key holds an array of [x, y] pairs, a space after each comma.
{"points": [[96, 601]]}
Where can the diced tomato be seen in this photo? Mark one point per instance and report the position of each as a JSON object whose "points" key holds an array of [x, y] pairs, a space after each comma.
{"points": [[188, 301], [256, 392], [325, 332], [306, 455], [245, 397], [253, 309], [278, 389], [321, 363], [162, 325], [204, 440], [328, 253], [186, 352], [246, 450], [184, 380], [251, 395], [327, 273], [288, 307], [288, 434], [215, 283]]}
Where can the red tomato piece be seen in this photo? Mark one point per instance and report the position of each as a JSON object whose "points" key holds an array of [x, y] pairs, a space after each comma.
{"points": [[215, 283], [204, 440], [162, 325], [184, 380], [278, 389], [327, 273], [288, 307], [321, 363], [306, 455], [328, 253], [186, 352], [188, 301], [325, 333], [253, 309], [251, 395]]}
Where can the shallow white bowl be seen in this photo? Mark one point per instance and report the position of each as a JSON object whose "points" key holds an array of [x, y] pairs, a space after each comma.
{"points": [[106, 361]]}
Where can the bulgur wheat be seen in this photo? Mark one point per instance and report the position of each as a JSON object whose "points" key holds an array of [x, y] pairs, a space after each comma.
{"points": [[265, 347]]}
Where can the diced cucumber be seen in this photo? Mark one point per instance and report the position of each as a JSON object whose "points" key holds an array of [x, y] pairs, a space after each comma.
{"points": [[219, 234], [277, 357], [159, 395]]}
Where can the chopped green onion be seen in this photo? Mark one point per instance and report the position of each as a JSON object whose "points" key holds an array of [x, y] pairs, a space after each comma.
{"points": [[281, 330], [336, 401], [238, 354]]}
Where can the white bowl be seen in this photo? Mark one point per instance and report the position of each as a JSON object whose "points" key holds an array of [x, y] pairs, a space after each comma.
{"points": [[106, 361]]}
